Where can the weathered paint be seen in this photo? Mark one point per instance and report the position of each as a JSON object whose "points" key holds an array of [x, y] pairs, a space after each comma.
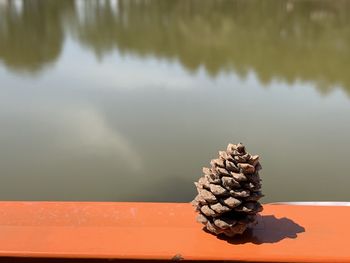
{"points": [[168, 231]]}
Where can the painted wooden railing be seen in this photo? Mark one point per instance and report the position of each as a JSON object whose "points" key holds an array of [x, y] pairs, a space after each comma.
{"points": [[105, 231]]}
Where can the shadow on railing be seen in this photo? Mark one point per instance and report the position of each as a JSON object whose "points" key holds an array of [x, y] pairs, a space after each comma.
{"points": [[268, 229]]}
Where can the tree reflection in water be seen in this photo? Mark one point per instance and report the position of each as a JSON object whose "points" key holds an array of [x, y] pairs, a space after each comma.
{"points": [[284, 40]]}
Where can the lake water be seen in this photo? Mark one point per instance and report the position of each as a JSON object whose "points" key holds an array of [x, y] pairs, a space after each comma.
{"points": [[127, 100]]}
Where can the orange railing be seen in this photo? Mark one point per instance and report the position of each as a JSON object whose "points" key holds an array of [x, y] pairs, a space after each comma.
{"points": [[61, 231]]}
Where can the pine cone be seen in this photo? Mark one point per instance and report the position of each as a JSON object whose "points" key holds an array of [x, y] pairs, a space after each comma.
{"points": [[229, 191]]}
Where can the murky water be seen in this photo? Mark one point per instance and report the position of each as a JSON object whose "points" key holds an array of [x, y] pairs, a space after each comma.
{"points": [[127, 100]]}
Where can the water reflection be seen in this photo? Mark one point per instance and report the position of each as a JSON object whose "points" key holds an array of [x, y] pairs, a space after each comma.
{"points": [[31, 33], [286, 40], [87, 129], [130, 99]]}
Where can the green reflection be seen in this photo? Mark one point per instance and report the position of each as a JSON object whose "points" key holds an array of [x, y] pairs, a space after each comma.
{"points": [[285, 40], [301, 40], [31, 35]]}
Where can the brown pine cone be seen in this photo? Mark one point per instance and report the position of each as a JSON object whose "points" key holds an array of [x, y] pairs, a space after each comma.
{"points": [[229, 191]]}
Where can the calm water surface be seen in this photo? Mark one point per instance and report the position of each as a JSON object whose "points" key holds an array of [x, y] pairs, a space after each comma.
{"points": [[127, 100]]}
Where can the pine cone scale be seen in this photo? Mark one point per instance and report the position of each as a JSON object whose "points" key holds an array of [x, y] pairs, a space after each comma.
{"points": [[202, 219], [229, 183], [232, 202], [206, 210], [219, 208], [207, 196], [231, 166], [239, 177]]}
